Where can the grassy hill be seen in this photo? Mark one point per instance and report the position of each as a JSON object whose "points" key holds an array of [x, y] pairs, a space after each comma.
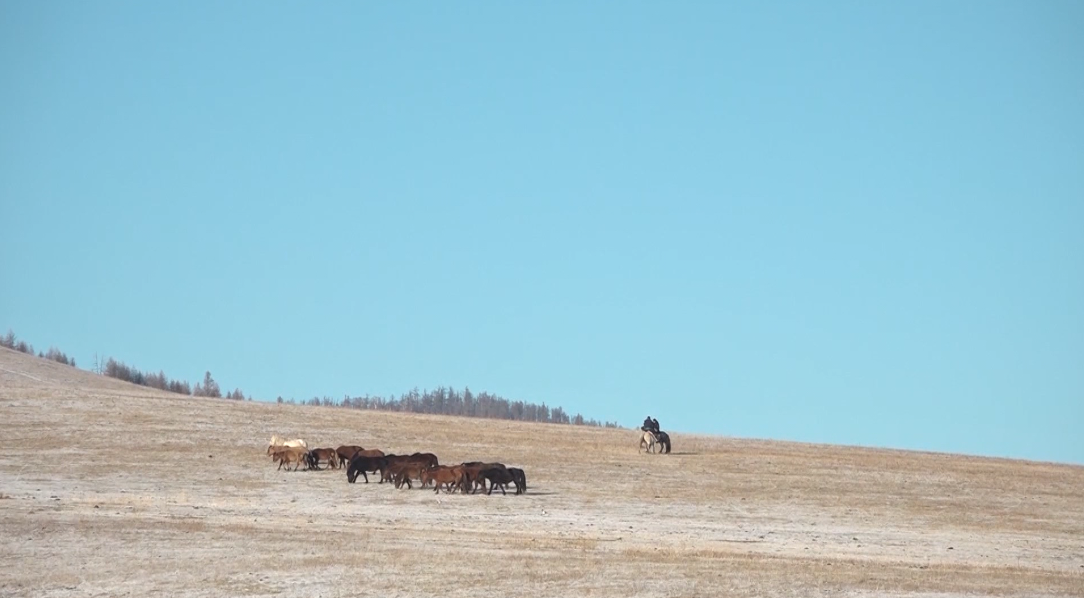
{"points": [[112, 489]]}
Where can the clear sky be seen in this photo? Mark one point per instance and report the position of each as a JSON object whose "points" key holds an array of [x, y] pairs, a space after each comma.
{"points": [[846, 222]]}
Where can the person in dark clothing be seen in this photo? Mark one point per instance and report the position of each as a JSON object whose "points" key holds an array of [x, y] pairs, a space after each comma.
{"points": [[650, 425]]}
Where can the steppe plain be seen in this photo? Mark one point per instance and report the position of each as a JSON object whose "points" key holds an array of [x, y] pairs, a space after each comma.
{"points": [[110, 489]]}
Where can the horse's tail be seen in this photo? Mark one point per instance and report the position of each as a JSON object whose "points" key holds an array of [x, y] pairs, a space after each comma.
{"points": [[664, 440]]}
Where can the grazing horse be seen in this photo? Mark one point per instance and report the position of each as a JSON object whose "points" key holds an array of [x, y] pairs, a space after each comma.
{"points": [[362, 463], [648, 440], [279, 442]]}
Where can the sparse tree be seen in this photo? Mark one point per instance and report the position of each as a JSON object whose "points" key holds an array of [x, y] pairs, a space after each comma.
{"points": [[209, 388]]}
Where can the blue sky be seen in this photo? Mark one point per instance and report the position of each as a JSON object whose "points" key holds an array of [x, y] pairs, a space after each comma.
{"points": [[844, 222]]}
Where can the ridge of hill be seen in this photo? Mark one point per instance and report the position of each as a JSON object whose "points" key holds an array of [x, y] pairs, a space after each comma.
{"points": [[111, 488]]}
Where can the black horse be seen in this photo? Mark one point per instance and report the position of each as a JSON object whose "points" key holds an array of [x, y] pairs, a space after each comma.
{"points": [[360, 465], [663, 439]]}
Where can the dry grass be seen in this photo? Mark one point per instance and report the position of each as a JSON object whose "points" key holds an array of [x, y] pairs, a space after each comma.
{"points": [[118, 490]]}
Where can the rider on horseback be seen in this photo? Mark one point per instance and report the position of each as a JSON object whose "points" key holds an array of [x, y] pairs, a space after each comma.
{"points": [[650, 425]]}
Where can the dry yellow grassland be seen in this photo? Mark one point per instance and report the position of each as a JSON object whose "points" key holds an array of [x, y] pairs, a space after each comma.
{"points": [[109, 489]]}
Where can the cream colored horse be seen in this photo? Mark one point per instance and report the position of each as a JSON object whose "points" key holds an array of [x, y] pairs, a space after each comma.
{"points": [[278, 441], [648, 440]]}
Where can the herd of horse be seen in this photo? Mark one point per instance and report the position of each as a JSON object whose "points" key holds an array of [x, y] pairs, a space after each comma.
{"points": [[399, 470], [424, 468]]}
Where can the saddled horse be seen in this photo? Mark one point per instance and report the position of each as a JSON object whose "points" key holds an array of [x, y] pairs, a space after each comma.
{"points": [[279, 442], [648, 440], [663, 440]]}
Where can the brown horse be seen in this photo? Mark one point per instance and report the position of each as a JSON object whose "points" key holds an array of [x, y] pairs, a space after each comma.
{"points": [[472, 475], [287, 455], [391, 461], [406, 472], [323, 454], [428, 459], [442, 475], [346, 452]]}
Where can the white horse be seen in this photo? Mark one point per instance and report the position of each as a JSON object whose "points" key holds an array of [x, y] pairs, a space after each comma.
{"points": [[648, 440], [277, 441]]}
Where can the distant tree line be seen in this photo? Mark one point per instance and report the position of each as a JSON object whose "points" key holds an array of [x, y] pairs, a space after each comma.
{"points": [[122, 371], [442, 401], [11, 342], [207, 388], [448, 401]]}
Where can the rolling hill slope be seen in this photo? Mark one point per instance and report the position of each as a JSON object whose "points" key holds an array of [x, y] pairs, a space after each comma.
{"points": [[112, 489]]}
